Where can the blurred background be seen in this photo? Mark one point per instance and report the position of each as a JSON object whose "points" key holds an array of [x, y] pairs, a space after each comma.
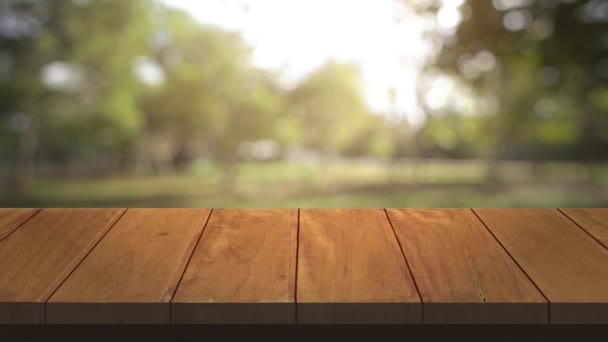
{"points": [[303, 103]]}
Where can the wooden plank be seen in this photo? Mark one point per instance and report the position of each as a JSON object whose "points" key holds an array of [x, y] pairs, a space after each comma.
{"points": [[131, 275], [37, 257], [11, 219], [462, 273], [351, 269], [569, 267], [242, 271], [593, 220]]}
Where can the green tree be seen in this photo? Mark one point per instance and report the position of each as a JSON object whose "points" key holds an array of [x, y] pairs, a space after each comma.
{"points": [[330, 107], [212, 96], [70, 85], [542, 62]]}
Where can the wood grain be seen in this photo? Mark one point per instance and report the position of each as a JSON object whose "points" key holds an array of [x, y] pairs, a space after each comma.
{"points": [[351, 269], [11, 219], [312, 266], [37, 257], [243, 269], [594, 221], [462, 273], [135, 269], [569, 266]]}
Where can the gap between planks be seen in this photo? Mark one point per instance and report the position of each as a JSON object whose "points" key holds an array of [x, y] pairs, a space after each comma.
{"points": [[36, 211], [198, 240], [408, 266], [583, 228], [518, 265], [572, 284], [112, 224], [295, 287]]}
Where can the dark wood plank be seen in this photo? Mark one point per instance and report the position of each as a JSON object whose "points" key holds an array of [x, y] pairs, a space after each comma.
{"points": [[462, 273], [243, 269], [37, 257], [569, 267], [11, 219], [594, 221], [351, 269], [131, 275]]}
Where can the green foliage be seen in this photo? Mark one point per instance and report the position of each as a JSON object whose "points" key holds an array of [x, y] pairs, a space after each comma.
{"points": [[538, 54], [75, 74], [114, 82], [330, 107]]}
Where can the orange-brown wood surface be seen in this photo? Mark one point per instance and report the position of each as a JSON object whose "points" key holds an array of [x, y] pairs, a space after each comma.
{"points": [[303, 266], [243, 269], [594, 221], [135, 269], [39, 255], [11, 219], [568, 266], [462, 273], [351, 269]]}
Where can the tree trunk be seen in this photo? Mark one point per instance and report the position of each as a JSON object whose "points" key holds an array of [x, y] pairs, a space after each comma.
{"points": [[493, 179], [25, 163], [587, 129], [229, 180]]}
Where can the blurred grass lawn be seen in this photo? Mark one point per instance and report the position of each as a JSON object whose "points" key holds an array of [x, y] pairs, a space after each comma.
{"points": [[345, 184]]}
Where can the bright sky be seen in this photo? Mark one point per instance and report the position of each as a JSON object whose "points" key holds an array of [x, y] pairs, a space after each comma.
{"points": [[297, 36]]}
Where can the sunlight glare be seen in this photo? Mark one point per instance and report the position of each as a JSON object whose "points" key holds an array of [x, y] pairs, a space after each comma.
{"points": [[298, 36]]}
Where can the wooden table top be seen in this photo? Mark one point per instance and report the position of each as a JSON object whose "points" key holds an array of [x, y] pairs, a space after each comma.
{"points": [[303, 266]]}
